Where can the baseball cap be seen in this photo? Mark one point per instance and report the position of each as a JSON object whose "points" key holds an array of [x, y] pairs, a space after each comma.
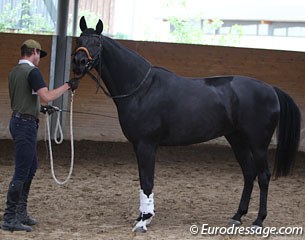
{"points": [[30, 43]]}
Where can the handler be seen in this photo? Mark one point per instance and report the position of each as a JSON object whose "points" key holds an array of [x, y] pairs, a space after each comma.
{"points": [[26, 85]]}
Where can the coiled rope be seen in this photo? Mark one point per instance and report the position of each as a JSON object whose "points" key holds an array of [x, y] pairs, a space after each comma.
{"points": [[59, 128]]}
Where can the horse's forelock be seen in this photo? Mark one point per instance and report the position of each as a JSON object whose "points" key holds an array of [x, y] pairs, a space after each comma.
{"points": [[89, 31]]}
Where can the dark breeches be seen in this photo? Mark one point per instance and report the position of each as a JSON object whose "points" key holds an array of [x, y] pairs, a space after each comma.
{"points": [[24, 133]]}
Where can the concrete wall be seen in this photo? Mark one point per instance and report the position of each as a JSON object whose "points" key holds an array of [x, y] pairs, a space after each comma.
{"points": [[95, 116]]}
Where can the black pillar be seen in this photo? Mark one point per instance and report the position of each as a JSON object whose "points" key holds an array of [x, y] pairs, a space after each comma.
{"points": [[61, 58], [75, 16]]}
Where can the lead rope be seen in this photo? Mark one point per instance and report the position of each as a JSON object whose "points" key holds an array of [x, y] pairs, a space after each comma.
{"points": [[59, 128]]}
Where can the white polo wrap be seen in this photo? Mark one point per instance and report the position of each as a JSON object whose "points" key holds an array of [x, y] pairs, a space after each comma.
{"points": [[147, 203]]}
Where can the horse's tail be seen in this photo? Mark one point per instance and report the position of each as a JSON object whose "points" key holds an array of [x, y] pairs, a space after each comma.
{"points": [[288, 134]]}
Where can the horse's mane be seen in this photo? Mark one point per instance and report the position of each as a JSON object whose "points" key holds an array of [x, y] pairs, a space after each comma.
{"points": [[118, 45]]}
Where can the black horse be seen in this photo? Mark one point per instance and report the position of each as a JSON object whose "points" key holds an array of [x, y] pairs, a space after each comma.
{"points": [[157, 107]]}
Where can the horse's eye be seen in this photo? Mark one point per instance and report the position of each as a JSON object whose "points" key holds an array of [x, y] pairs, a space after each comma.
{"points": [[83, 61]]}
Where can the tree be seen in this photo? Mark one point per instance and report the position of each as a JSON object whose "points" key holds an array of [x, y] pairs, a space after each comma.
{"points": [[194, 29], [197, 32], [21, 19], [8, 18]]}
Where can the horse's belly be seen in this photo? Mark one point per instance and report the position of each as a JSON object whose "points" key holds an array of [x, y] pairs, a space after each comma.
{"points": [[185, 141], [190, 132]]}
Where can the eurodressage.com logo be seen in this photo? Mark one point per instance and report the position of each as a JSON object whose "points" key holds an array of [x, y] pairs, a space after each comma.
{"points": [[265, 232]]}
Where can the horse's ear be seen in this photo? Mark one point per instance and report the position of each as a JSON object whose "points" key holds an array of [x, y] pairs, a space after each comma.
{"points": [[99, 27], [83, 24]]}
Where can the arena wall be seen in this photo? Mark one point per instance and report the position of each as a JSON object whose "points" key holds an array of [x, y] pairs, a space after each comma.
{"points": [[95, 116]]}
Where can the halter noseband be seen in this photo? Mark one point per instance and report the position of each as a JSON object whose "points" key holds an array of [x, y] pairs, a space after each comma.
{"points": [[86, 51]]}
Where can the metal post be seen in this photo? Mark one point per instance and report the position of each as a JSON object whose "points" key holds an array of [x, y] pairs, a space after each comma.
{"points": [[75, 17], [62, 55]]}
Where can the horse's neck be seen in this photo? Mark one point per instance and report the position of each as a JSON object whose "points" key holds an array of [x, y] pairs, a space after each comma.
{"points": [[123, 70]]}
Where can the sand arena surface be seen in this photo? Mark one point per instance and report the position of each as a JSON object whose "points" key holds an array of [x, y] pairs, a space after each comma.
{"points": [[199, 184]]}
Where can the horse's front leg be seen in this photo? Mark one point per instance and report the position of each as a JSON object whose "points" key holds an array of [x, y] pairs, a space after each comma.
{"points": [[145, 153]]}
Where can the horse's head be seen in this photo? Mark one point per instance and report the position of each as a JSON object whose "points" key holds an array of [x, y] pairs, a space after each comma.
{"points": [[88, 47]]}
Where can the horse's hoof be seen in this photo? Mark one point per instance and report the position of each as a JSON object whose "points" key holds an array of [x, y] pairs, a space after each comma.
{"points": [[140, 226], [148, 221], [233, 222], [139, 229]]}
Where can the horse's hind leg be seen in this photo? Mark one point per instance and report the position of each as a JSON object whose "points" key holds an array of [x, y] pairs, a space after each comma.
{"points": [[145, 153], [260, 157], [243, 155]]}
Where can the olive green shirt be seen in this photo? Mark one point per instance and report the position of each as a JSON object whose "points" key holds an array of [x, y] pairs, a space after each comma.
{"points": [[23, 99]]}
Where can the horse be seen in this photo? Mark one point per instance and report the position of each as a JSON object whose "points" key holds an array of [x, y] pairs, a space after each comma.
{"points": [[156, 107]]}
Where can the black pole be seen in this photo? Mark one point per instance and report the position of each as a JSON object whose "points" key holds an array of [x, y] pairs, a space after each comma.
{"points": [[75, 17], [60, 59]]}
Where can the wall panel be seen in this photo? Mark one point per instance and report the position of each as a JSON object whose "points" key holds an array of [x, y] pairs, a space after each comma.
{"points": [[95, 116]]}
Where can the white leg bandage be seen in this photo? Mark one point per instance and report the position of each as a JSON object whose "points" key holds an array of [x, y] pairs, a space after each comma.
{"points": [[146, 207], [147, 203]]}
